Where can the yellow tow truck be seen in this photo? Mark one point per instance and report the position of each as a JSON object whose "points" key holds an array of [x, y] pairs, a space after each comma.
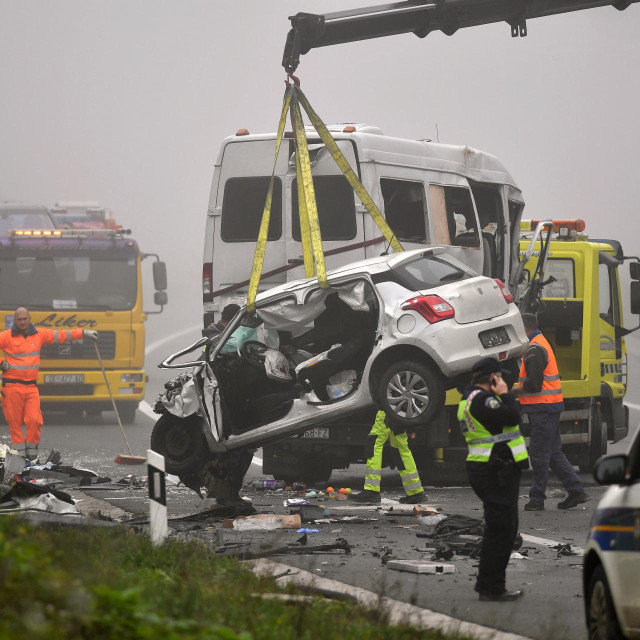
{"points": [[573, 284], [82, 279]]}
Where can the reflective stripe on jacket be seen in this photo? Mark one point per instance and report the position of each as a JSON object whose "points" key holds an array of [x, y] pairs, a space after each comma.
{"points": [[480, 440], [551, 391], [23, 352]]}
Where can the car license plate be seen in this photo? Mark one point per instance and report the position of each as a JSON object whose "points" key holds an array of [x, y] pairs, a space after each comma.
{"points": [[318, 432], [63, 378], [494, 337]]}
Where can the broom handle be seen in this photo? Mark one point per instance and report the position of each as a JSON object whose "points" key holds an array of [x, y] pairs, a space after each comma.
{"points": [[113, 402]]}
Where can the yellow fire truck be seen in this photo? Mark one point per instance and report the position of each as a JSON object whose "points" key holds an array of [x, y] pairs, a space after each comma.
{"points": [[84, 279]]}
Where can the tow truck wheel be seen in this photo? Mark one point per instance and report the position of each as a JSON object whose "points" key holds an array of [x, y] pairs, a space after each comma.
{"points": [[410, 393], [601, 615], [598, 445], [181, 442]]}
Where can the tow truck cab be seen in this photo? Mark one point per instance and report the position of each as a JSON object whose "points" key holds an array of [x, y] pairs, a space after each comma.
{"points": [[90, 279], [581, 314]]}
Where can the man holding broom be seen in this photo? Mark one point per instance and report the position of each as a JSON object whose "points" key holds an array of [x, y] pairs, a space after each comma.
{"points": [[21, 344]]}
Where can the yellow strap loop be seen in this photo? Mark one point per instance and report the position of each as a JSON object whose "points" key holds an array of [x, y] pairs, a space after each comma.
{"points": [[348, 172], [261, 245]]}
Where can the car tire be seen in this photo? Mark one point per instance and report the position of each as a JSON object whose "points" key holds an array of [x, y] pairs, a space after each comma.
{"points": [[602, 621], [181, 442], [411, 393], [598, 445]]}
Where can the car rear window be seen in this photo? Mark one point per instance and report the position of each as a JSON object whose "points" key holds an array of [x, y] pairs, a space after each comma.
{"points": [[243, 206], [336, 208], [429, 272]]}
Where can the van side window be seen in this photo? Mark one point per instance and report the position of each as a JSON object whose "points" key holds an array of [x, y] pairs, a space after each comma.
{"points": [[404, 208], [454, 220], [243, 206], [336, 208], [491, 215]]}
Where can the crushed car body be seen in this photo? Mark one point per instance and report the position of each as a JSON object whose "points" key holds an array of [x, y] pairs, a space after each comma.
{"points": [[395, 331]]}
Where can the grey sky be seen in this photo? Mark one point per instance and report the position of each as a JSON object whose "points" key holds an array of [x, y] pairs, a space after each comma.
{"points": [[126, 102]]}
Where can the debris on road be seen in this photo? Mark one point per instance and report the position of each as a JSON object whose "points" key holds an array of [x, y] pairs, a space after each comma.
{"points": [[263, 522], [420, 566]]}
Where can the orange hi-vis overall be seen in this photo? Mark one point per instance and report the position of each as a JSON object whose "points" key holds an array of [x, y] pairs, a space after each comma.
{"points": [[551, 391], [20, 397]]}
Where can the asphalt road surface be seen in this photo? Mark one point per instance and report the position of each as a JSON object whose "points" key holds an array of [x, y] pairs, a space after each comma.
{"points": [[553, 603]]}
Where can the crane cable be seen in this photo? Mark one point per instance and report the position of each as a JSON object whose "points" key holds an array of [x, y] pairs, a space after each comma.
{"points": [[309, 224]]}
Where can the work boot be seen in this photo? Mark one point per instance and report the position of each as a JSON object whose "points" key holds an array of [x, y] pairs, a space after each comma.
{"points": [[367, 497], [573, 500], [505, 596], [534, 505], [31, 454], [416, 498]]}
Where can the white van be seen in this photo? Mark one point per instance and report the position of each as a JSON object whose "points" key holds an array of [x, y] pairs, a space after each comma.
{"points": [[429, 193]]}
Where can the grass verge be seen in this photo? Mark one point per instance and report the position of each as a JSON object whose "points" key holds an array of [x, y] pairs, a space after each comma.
{"points": [[105, 583]]}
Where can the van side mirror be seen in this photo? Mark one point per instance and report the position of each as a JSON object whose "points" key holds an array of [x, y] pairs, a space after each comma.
{"points": [[159, 275], [634, 290], [634, 270], [611, 469], [160, 298]]}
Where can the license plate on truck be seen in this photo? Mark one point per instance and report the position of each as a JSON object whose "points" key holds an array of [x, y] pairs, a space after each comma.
{"points": [[494, 337], [63, 378], [318, 432]]}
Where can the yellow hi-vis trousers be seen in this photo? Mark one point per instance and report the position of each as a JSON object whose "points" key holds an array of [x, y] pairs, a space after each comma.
{"points": [[406, 464]]}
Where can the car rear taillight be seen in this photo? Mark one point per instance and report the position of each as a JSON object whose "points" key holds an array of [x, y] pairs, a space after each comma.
{"points": [[431, 308], [207, 274], [505, 291]]}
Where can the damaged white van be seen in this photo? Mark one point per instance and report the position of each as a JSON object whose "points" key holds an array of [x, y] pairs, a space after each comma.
{"points": [[393, 332], [429, 193]]}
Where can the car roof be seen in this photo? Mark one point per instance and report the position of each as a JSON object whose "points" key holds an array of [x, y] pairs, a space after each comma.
{"points": [[368, 266]]}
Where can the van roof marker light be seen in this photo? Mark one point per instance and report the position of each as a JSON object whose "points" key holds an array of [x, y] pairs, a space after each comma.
{"points": [[242, 132], [349, 129]]}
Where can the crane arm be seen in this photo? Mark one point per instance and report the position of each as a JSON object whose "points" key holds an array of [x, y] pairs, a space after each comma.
{"points": [[420, 17]]}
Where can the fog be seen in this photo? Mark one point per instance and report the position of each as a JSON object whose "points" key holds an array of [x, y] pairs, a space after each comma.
{"points": [[127, 103]]}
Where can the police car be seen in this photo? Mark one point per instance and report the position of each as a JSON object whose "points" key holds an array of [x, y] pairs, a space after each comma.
{"points": [[611, 577]]}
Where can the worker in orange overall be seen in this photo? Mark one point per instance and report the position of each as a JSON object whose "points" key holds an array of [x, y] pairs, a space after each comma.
{"points": [[20, 398]]}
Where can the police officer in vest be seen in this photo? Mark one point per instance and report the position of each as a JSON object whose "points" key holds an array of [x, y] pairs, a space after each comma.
{"points": [[489, 417], [540, 395]]}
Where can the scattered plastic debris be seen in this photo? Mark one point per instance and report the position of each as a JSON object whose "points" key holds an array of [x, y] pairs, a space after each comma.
{"points": [[303, 530], [420, 566]]}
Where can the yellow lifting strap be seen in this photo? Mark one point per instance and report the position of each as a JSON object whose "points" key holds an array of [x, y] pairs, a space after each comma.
{"points": [[349, 173], [309, 211], [309, 224], [261, 245]]}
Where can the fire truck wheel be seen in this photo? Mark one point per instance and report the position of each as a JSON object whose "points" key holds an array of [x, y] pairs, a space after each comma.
{"points": [[411, 393], [127, 412], [181, 442]]}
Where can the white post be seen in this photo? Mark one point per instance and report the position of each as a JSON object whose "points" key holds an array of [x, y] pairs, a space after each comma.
{"points": [[157, 497]]}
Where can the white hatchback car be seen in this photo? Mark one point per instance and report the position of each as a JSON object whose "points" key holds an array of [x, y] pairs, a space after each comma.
{"points": [[611, 577], [394, 331]]}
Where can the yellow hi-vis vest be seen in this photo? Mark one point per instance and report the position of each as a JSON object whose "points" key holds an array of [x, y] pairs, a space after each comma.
{"points": [[480, 440]]}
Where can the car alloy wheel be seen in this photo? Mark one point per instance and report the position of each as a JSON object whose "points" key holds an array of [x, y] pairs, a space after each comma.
{"points": [[410, 393]]}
